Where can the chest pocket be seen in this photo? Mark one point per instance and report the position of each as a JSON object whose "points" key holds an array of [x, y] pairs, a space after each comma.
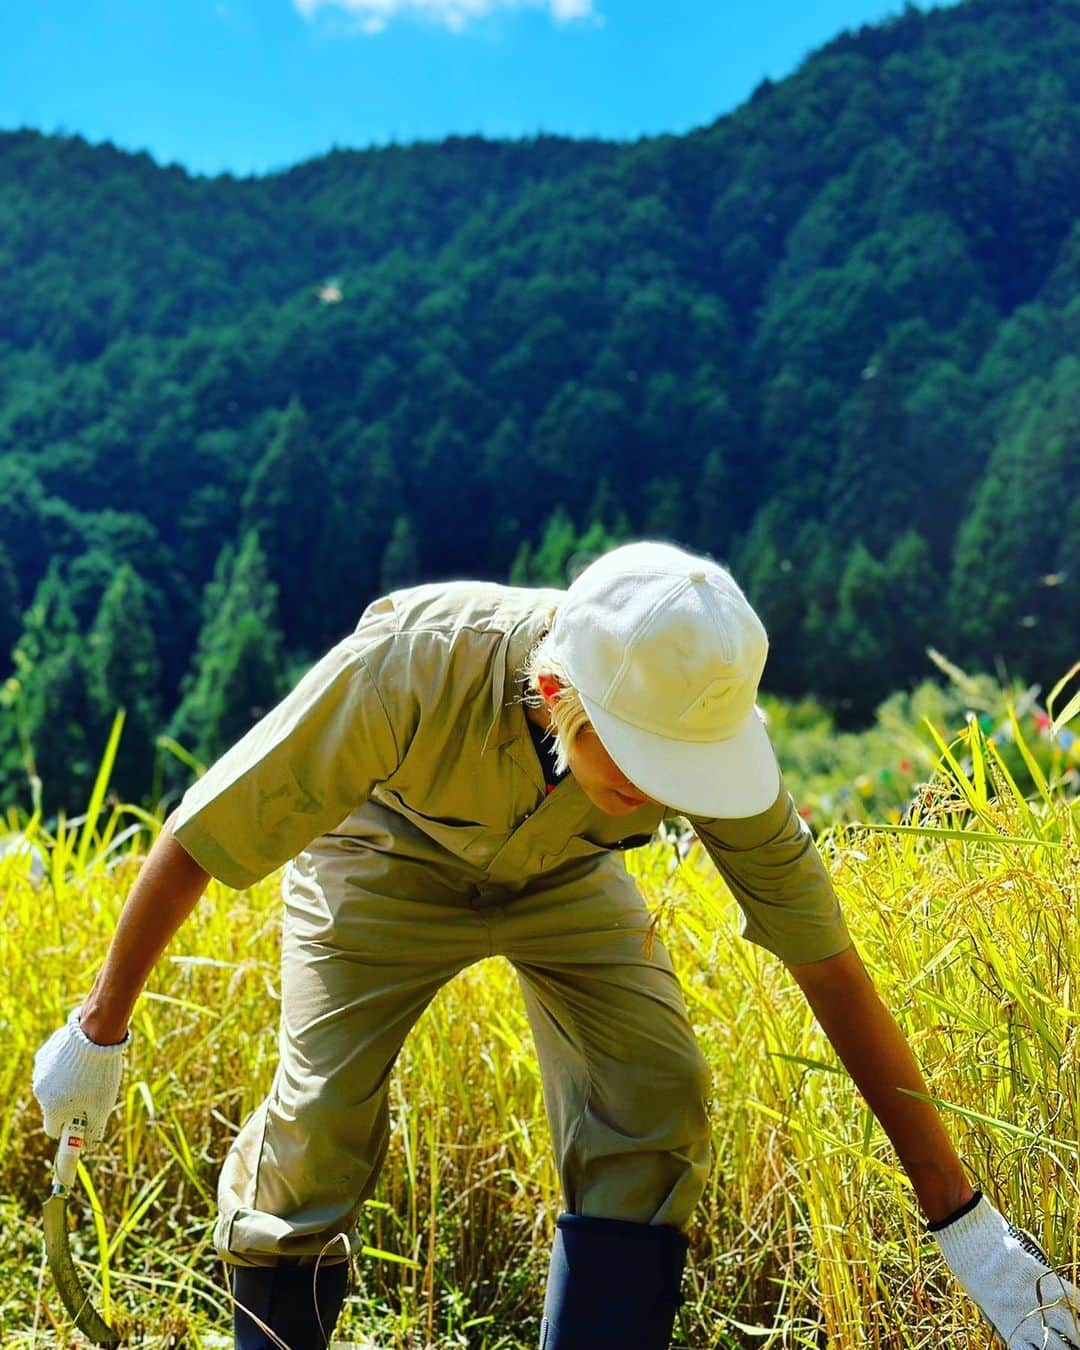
{"points": [[452, 833], [582, 846]]}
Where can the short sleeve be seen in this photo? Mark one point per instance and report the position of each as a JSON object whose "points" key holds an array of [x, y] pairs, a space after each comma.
{"points": [[777, 875], [297, 773]]}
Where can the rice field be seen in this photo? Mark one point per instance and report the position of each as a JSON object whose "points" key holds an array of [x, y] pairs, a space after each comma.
{"points": [[808, 1236]]}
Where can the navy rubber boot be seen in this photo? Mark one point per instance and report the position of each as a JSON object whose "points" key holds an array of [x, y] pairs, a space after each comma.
{"points": [[298, 1307], [612, 1284]]}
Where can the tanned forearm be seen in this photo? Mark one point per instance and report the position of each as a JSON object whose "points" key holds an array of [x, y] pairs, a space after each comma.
{"points": [[877, 1055], [165, 892]]}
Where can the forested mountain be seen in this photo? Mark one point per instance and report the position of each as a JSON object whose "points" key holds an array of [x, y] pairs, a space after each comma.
{"points": [[831, 339]]}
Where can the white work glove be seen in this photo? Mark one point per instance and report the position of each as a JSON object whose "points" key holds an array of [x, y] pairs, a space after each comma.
{"points": [[1009, 1278], [72, 1073]]}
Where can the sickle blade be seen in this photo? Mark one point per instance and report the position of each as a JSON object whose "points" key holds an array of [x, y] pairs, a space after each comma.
{"points": [[66, 1277]]}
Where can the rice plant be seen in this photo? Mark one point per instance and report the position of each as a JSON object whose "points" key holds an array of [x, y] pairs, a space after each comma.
{"points": [[808, 1236]]}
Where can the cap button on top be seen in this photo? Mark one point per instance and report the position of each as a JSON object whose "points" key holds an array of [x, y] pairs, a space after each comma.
{"points": [[697, 576]]}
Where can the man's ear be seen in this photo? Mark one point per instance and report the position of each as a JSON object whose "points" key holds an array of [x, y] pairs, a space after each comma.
{"points": [[549, 687]]}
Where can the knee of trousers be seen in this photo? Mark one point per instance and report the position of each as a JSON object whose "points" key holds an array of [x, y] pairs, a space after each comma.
{"points": [[661, 1102], [641, 1149], [293, 1182]]}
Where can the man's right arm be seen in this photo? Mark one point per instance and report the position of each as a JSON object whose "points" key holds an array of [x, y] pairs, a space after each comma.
{"points": [[296, 773], [165, 892]]}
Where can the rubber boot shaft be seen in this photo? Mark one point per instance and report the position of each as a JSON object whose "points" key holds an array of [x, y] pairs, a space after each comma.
{"points": [[612, 1285], [299, 1307]]}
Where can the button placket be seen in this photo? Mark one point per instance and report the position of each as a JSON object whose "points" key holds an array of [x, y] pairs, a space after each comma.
{"points": [[545, 832]]}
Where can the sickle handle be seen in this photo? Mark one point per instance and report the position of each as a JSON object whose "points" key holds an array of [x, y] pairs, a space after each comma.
{"points": [[72, 1137]]}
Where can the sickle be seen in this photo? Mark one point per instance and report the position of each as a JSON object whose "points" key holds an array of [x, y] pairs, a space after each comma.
{"points": [[66, 1277]]}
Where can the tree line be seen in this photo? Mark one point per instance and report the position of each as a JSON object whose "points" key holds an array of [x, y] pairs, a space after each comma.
{"points": [[830, 339]]}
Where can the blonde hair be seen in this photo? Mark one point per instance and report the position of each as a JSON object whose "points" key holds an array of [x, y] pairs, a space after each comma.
{"points": [[568, 716]]}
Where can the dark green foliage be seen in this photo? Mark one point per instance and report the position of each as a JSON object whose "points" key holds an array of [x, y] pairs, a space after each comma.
{"points": [[774, 572], [124, 672], [914, 602], [562, 552], [828, 339], [547, 566], [884, 620], [237, 672], [401, 561], [249, 682], [1014, 580], [9, 609], [49, 624], [285, 502], [51, 705]]}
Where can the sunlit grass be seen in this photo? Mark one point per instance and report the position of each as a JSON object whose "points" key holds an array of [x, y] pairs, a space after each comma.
{"points": [[808, 1234]]}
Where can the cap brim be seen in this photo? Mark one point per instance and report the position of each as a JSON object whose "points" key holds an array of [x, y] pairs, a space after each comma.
{"points": [[730, 779]]}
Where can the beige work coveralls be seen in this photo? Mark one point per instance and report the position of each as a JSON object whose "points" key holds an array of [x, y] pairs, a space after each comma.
{"points": [[399, 783]]}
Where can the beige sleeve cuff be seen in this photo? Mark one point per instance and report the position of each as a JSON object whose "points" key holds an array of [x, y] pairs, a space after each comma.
{"points": [[211, 857]]}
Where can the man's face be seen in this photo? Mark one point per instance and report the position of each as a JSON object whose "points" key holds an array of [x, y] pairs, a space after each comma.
{"points": [[605, 785]]}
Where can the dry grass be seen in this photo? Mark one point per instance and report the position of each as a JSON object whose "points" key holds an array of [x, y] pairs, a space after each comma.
{"points": [[808, 1234]]}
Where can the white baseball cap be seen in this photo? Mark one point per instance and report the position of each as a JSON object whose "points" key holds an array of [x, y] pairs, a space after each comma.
{"points": [[666, 653]]}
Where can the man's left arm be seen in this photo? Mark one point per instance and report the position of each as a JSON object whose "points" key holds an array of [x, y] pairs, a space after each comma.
{"points": [[1000, 1267], [876, 1053], [777, 875]]}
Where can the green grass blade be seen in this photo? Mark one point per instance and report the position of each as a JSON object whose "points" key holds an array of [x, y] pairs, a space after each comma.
{"points": [[1070, 709], [1037, 775], [1003, 1126], [97, 796], [975, 836]]}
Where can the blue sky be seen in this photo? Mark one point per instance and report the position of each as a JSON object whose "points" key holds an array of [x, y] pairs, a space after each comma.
{"points": [[252, 85]]}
